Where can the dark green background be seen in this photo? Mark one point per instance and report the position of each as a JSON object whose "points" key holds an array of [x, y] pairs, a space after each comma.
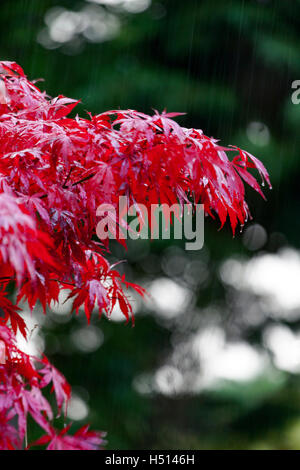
{"points": [[226, 64]]}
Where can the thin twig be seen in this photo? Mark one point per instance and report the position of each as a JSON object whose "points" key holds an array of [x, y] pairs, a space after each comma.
{"points": [[84, 179], [73, 184], [67, 178]]}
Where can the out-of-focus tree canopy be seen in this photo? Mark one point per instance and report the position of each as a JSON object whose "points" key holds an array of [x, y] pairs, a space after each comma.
{"points": [[215, 361]]}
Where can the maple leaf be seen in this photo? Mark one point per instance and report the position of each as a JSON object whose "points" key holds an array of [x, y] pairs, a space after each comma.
{"points": [[21, 241], [60, 386], [11, 314], [83, 439], [9, 437]]}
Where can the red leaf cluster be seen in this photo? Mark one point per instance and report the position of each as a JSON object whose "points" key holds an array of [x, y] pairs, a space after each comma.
{"points": [[54, 173]]}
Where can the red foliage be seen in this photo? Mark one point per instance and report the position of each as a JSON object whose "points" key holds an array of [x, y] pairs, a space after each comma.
{"points": [[54, 173]]}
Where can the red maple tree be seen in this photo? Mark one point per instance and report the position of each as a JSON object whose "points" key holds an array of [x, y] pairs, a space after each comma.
{"points": [[54, 173]]}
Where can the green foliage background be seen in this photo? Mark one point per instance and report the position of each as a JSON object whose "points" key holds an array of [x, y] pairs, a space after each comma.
{"points": [[226, 64]]}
